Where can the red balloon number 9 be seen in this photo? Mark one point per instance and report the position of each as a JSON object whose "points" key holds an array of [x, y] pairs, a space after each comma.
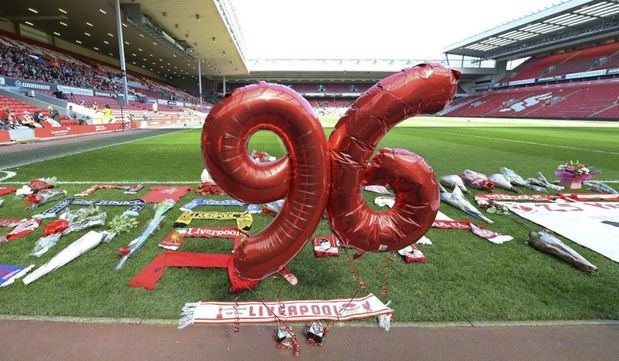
{"points": [[317, 175]]}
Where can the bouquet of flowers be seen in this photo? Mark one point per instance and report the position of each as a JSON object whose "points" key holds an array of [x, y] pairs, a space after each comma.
{"points": [[575, 169], [42, 197], [573, 173], [35, 186], [153, 225], [599, 187], [477, 180]]}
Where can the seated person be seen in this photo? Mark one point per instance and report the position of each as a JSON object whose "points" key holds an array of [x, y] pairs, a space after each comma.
{"points": [[71, 113], [12, 120], [53, 114], [40, 118], [58, 94], [4, 113], [26, 120], [107, 114]]}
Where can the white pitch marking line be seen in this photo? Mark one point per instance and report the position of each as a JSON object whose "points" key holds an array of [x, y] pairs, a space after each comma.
{"points": [[523, 142], [8, 174]]}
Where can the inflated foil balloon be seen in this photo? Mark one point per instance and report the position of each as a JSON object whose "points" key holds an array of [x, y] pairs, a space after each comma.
{"points": [[423, 89], [316, 171], [302, 177]]}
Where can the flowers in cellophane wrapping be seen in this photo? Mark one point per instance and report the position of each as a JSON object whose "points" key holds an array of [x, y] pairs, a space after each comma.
{"points": [[477, 180], [574, 169]]}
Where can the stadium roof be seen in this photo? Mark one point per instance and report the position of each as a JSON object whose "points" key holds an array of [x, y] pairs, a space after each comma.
{"points": [[342, 65], [349, 70], [568, 22], [165, 37]]}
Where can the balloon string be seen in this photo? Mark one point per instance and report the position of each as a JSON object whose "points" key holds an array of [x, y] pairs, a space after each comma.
{"points": [[296, 347], [353, 270], [237, 321], [361, 285], [382, 271], [277, 299]]}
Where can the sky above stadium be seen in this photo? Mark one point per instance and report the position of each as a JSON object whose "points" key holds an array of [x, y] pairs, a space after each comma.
{"points": [[387, 29]]}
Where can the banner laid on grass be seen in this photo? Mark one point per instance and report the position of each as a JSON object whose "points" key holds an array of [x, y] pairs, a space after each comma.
{"points": [[285, 311], [594, 225]]}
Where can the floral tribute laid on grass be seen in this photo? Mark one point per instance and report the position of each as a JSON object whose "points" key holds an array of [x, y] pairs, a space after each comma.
{"points": [[573, 173]]}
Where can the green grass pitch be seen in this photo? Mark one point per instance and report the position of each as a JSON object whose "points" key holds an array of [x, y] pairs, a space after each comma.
{"points": [[465, 278]]}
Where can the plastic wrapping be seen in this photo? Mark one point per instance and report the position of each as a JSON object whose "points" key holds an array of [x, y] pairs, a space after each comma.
{"points": [[457, 199], [425, 88], [513, 177], [547, 243], [600, 187], [477, 180], [302, 177], [541, 181], [500, 181], [453, 180]]}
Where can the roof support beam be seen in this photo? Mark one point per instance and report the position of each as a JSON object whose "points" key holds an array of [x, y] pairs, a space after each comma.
{"points": [[121, 53]]}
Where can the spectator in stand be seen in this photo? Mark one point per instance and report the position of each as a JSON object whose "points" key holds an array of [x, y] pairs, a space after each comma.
{"points": [[4, 118], [11, 120], [155, 107], [53, 114], [58, 94], [39, 117], [4, 113], [27, 120], [31, 62], [71, 113], [107, 114]]}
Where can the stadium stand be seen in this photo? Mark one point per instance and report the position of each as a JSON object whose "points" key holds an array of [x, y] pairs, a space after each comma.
{"points": [[578, 100], [15, 114], [303, 88], [18, 107], [26, 59], [598, 57], [84, 87], [584, 60], [330, 108], [580, 83]]}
